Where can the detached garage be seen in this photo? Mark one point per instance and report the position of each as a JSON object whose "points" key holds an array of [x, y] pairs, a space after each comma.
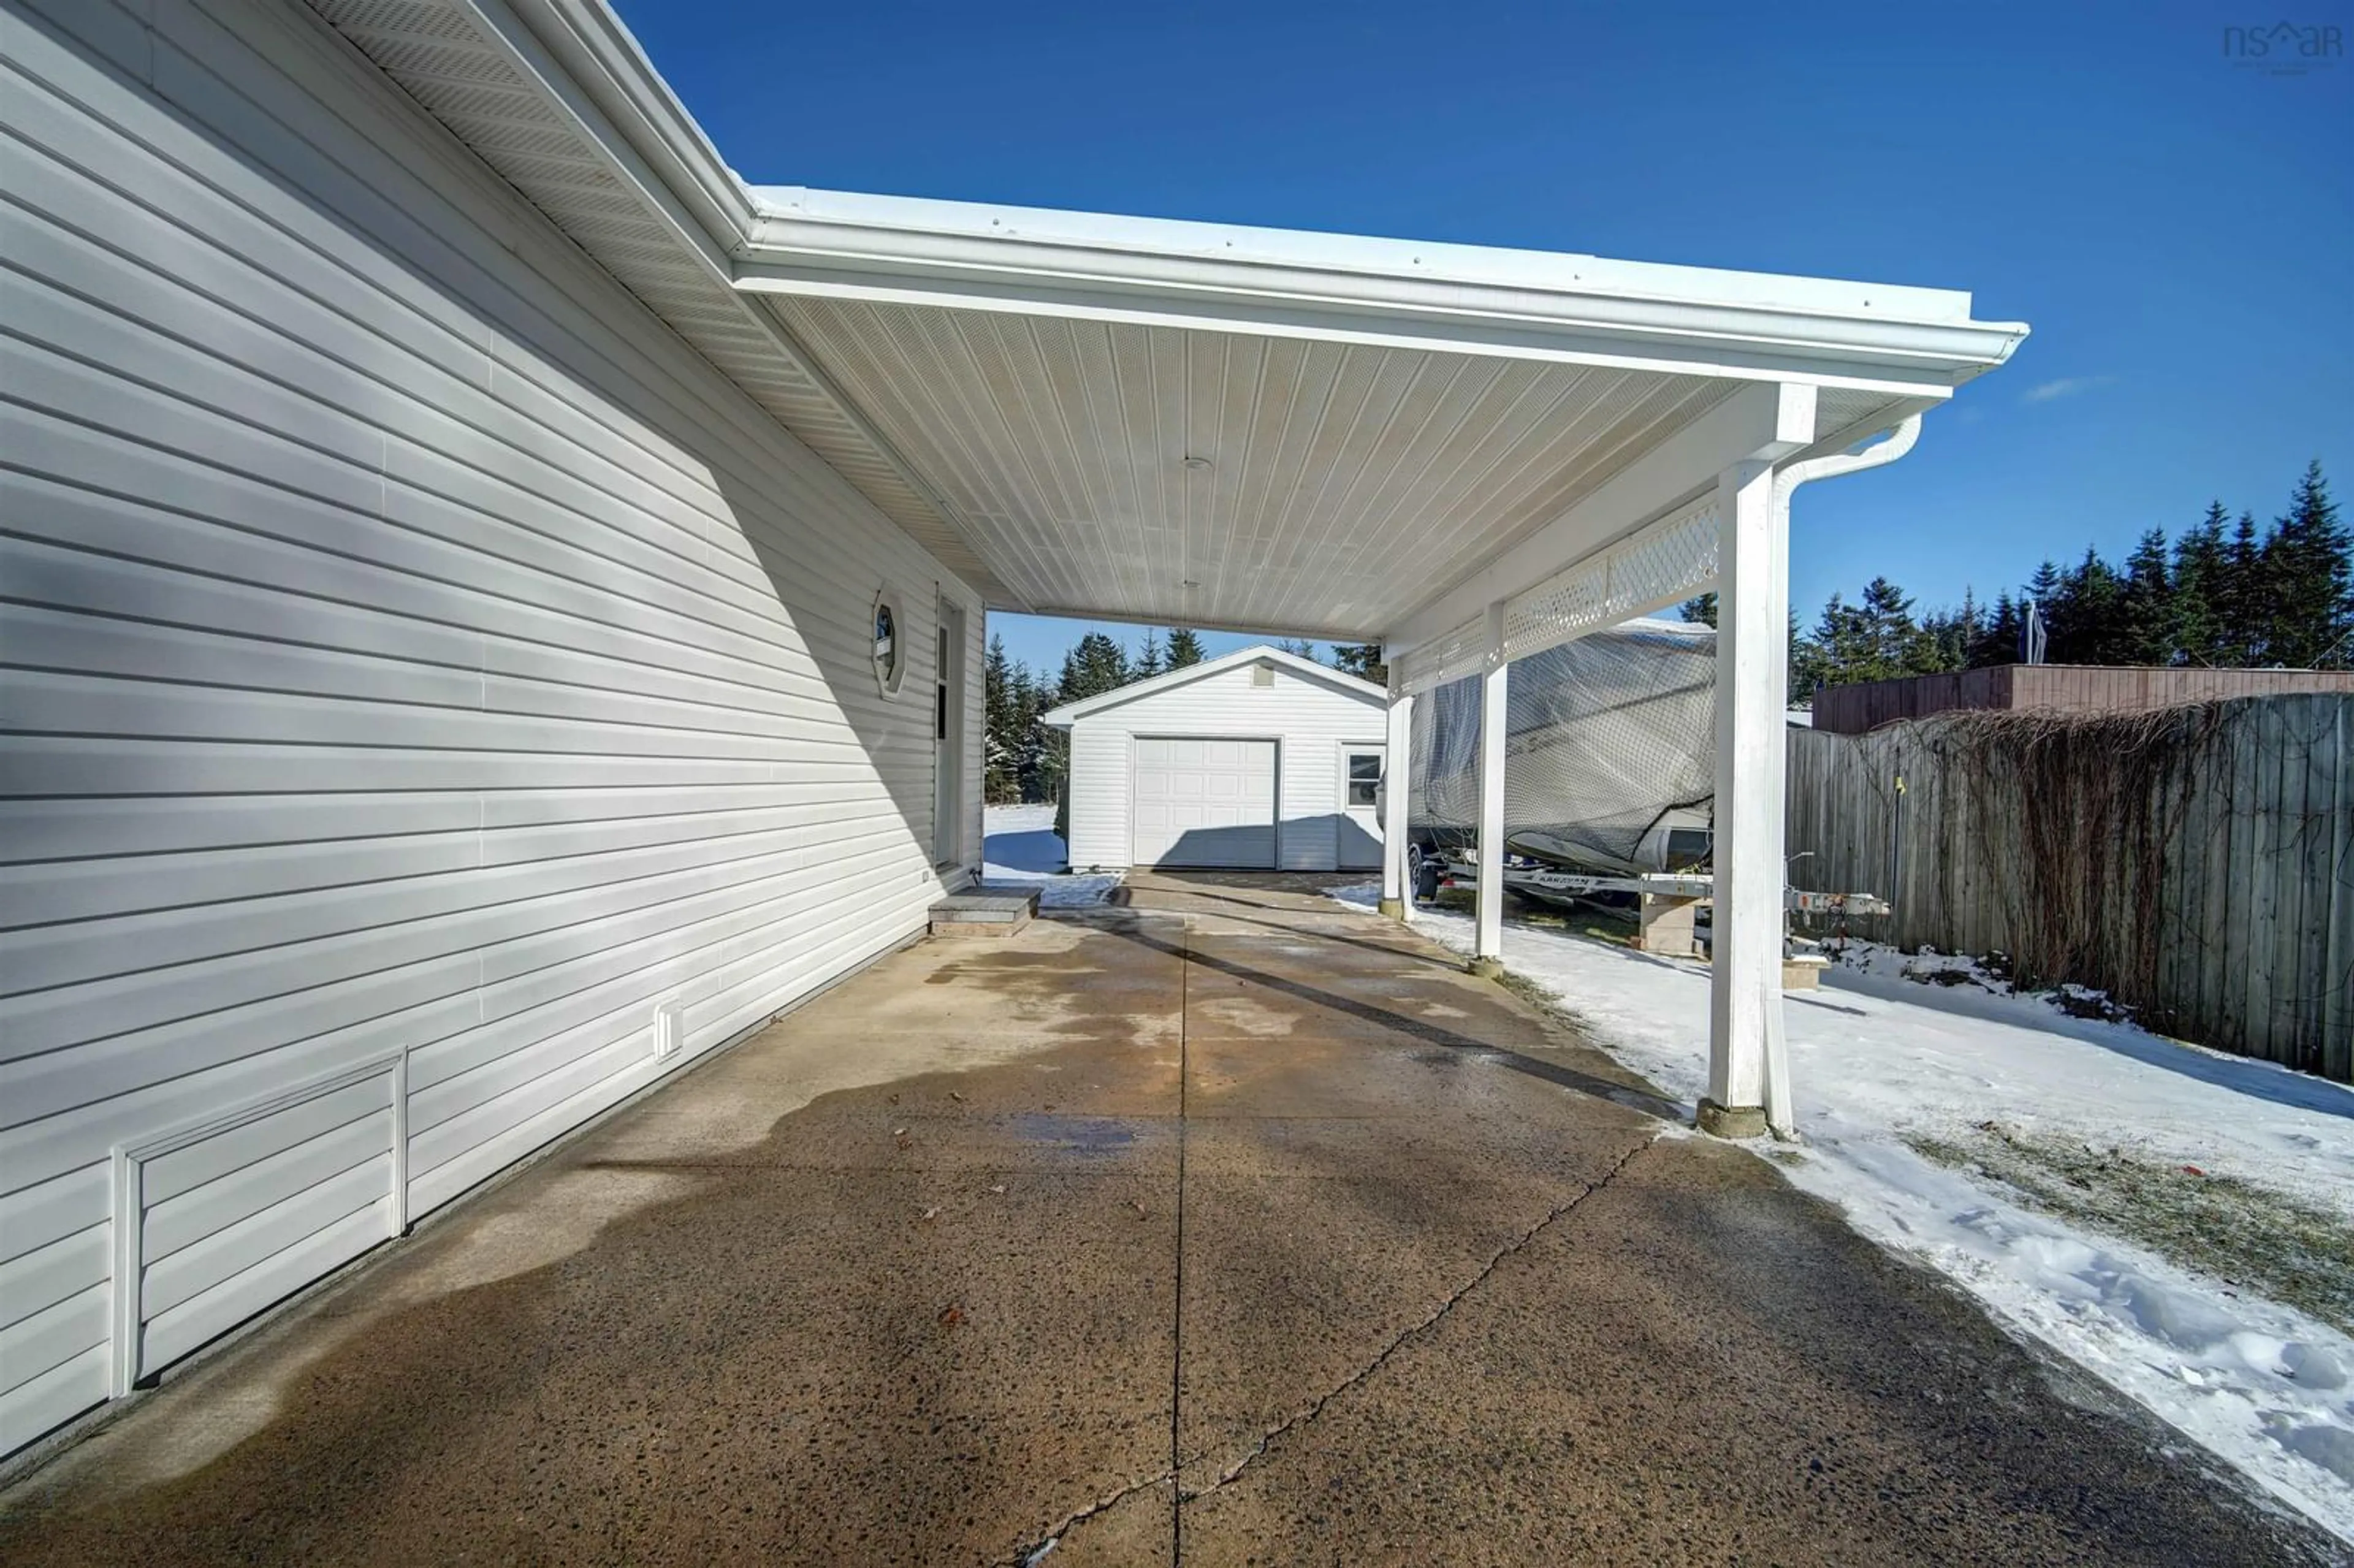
{"points": [[1258, 760]]}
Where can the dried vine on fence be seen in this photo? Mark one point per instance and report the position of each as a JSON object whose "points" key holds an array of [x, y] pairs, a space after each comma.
{"points": [[2074, 819]]}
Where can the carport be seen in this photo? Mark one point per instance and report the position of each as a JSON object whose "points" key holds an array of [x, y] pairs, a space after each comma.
{"points": [[1466, 455], [503, 596]]}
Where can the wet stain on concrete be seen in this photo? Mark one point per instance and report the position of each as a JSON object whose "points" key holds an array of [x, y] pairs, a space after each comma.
{"points": [[1074, 1134]]}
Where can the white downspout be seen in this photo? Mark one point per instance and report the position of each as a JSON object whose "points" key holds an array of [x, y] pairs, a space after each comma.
{"points": [[1780, 1115]]}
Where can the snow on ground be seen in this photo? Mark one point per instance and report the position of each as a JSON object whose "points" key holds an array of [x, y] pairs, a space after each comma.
{"points": [[1020, 845], [1876, 1058]]}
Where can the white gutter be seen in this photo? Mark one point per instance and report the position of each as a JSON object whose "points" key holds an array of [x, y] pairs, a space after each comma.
{"points": [[1516, 303], [1780, 1113]]}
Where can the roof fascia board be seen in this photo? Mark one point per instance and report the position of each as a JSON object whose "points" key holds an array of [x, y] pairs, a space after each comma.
{"points": [[1910, 361], [890, 222], [1759, 423], [1732, 337], [566, 84], [600, 55], [1340, 680]]}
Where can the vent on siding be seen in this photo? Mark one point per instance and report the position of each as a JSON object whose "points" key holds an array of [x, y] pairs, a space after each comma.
{"points": [[670, 1030], [1262, 674], [215, 1221]]}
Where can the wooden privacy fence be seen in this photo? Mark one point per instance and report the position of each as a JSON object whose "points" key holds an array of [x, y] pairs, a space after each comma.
{"points": [[2195, 863]]}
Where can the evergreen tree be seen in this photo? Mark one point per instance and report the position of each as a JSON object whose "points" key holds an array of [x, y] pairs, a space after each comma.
{"points": [[2241, 601], [1148, 659], [1947, 637], [1097, 664], [1701, 610], [1997, 640], [2041, 598], [2198, 573], [1185, 647], [1001, 737], [1362, 660], [2085, 616], [2308, 580], [1842, 646], [1029, 756], [2147, 610], [1889, 632], [2044, 586], [1299, 647], [1807, 666], [1875, 639]]}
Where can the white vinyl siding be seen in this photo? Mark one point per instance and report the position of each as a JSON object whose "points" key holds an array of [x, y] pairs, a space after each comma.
{"points": [[1309, 718], [411, 648]]}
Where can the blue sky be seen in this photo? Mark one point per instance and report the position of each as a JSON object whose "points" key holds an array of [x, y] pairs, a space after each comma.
{"points": [[2179, 232]]}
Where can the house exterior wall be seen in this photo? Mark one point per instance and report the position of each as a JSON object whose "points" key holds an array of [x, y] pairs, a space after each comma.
{"points": [[1309, 719], [419, 663]]}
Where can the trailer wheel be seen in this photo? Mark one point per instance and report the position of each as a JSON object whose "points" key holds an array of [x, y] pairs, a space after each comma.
{"points": [[1421, 873]]}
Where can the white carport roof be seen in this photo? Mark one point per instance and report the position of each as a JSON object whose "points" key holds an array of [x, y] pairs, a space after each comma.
{"points": [[1469, 455], [1169, 680], [1179, 422]]}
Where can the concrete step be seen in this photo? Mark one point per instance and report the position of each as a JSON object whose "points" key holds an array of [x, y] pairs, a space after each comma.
{"points": [[993, 912]]}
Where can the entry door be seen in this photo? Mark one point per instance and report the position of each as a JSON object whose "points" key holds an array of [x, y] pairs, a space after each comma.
{"points": [[1200, 801], [1361, 806]]}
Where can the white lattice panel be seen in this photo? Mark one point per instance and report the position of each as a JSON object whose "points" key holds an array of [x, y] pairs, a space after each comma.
{"points": [[1659, 564]]}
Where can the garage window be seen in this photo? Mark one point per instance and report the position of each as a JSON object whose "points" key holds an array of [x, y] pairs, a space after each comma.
{"points": [[1364, 777]]}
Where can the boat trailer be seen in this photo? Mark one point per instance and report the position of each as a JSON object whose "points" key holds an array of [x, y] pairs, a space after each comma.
{"points": [[1666, 903]]}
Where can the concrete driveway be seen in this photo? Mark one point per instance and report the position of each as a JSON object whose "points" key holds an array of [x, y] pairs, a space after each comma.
{"points": [[1226, 1228]]}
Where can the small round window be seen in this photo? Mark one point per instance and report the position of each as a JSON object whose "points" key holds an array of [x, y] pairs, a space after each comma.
{"points": [[890, 645]]}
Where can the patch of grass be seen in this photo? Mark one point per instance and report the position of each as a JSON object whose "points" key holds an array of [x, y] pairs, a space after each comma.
{"points": [[1544, 1000], [1549, 1006], [1599, 921], [1596, 921], [2244, 1234]]}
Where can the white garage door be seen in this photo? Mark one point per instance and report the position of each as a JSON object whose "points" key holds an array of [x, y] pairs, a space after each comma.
{"points": [[1204, 802]]}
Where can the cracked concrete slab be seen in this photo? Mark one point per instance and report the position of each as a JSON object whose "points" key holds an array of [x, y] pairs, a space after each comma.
{"points": [[1227, 1226]]}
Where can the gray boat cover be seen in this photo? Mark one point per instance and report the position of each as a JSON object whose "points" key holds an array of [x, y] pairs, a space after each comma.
{"points": [[1607, 734]]}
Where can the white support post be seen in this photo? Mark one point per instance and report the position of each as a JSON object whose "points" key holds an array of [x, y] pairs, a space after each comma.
{"points": [[1752, 695], [1397, 777], [1494, 684]]}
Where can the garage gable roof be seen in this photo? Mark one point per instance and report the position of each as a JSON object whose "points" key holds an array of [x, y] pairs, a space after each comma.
{"points": [[1346, 684]]}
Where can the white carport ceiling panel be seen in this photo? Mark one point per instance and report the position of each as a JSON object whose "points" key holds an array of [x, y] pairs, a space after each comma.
{"points": [[1345, 482]]}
